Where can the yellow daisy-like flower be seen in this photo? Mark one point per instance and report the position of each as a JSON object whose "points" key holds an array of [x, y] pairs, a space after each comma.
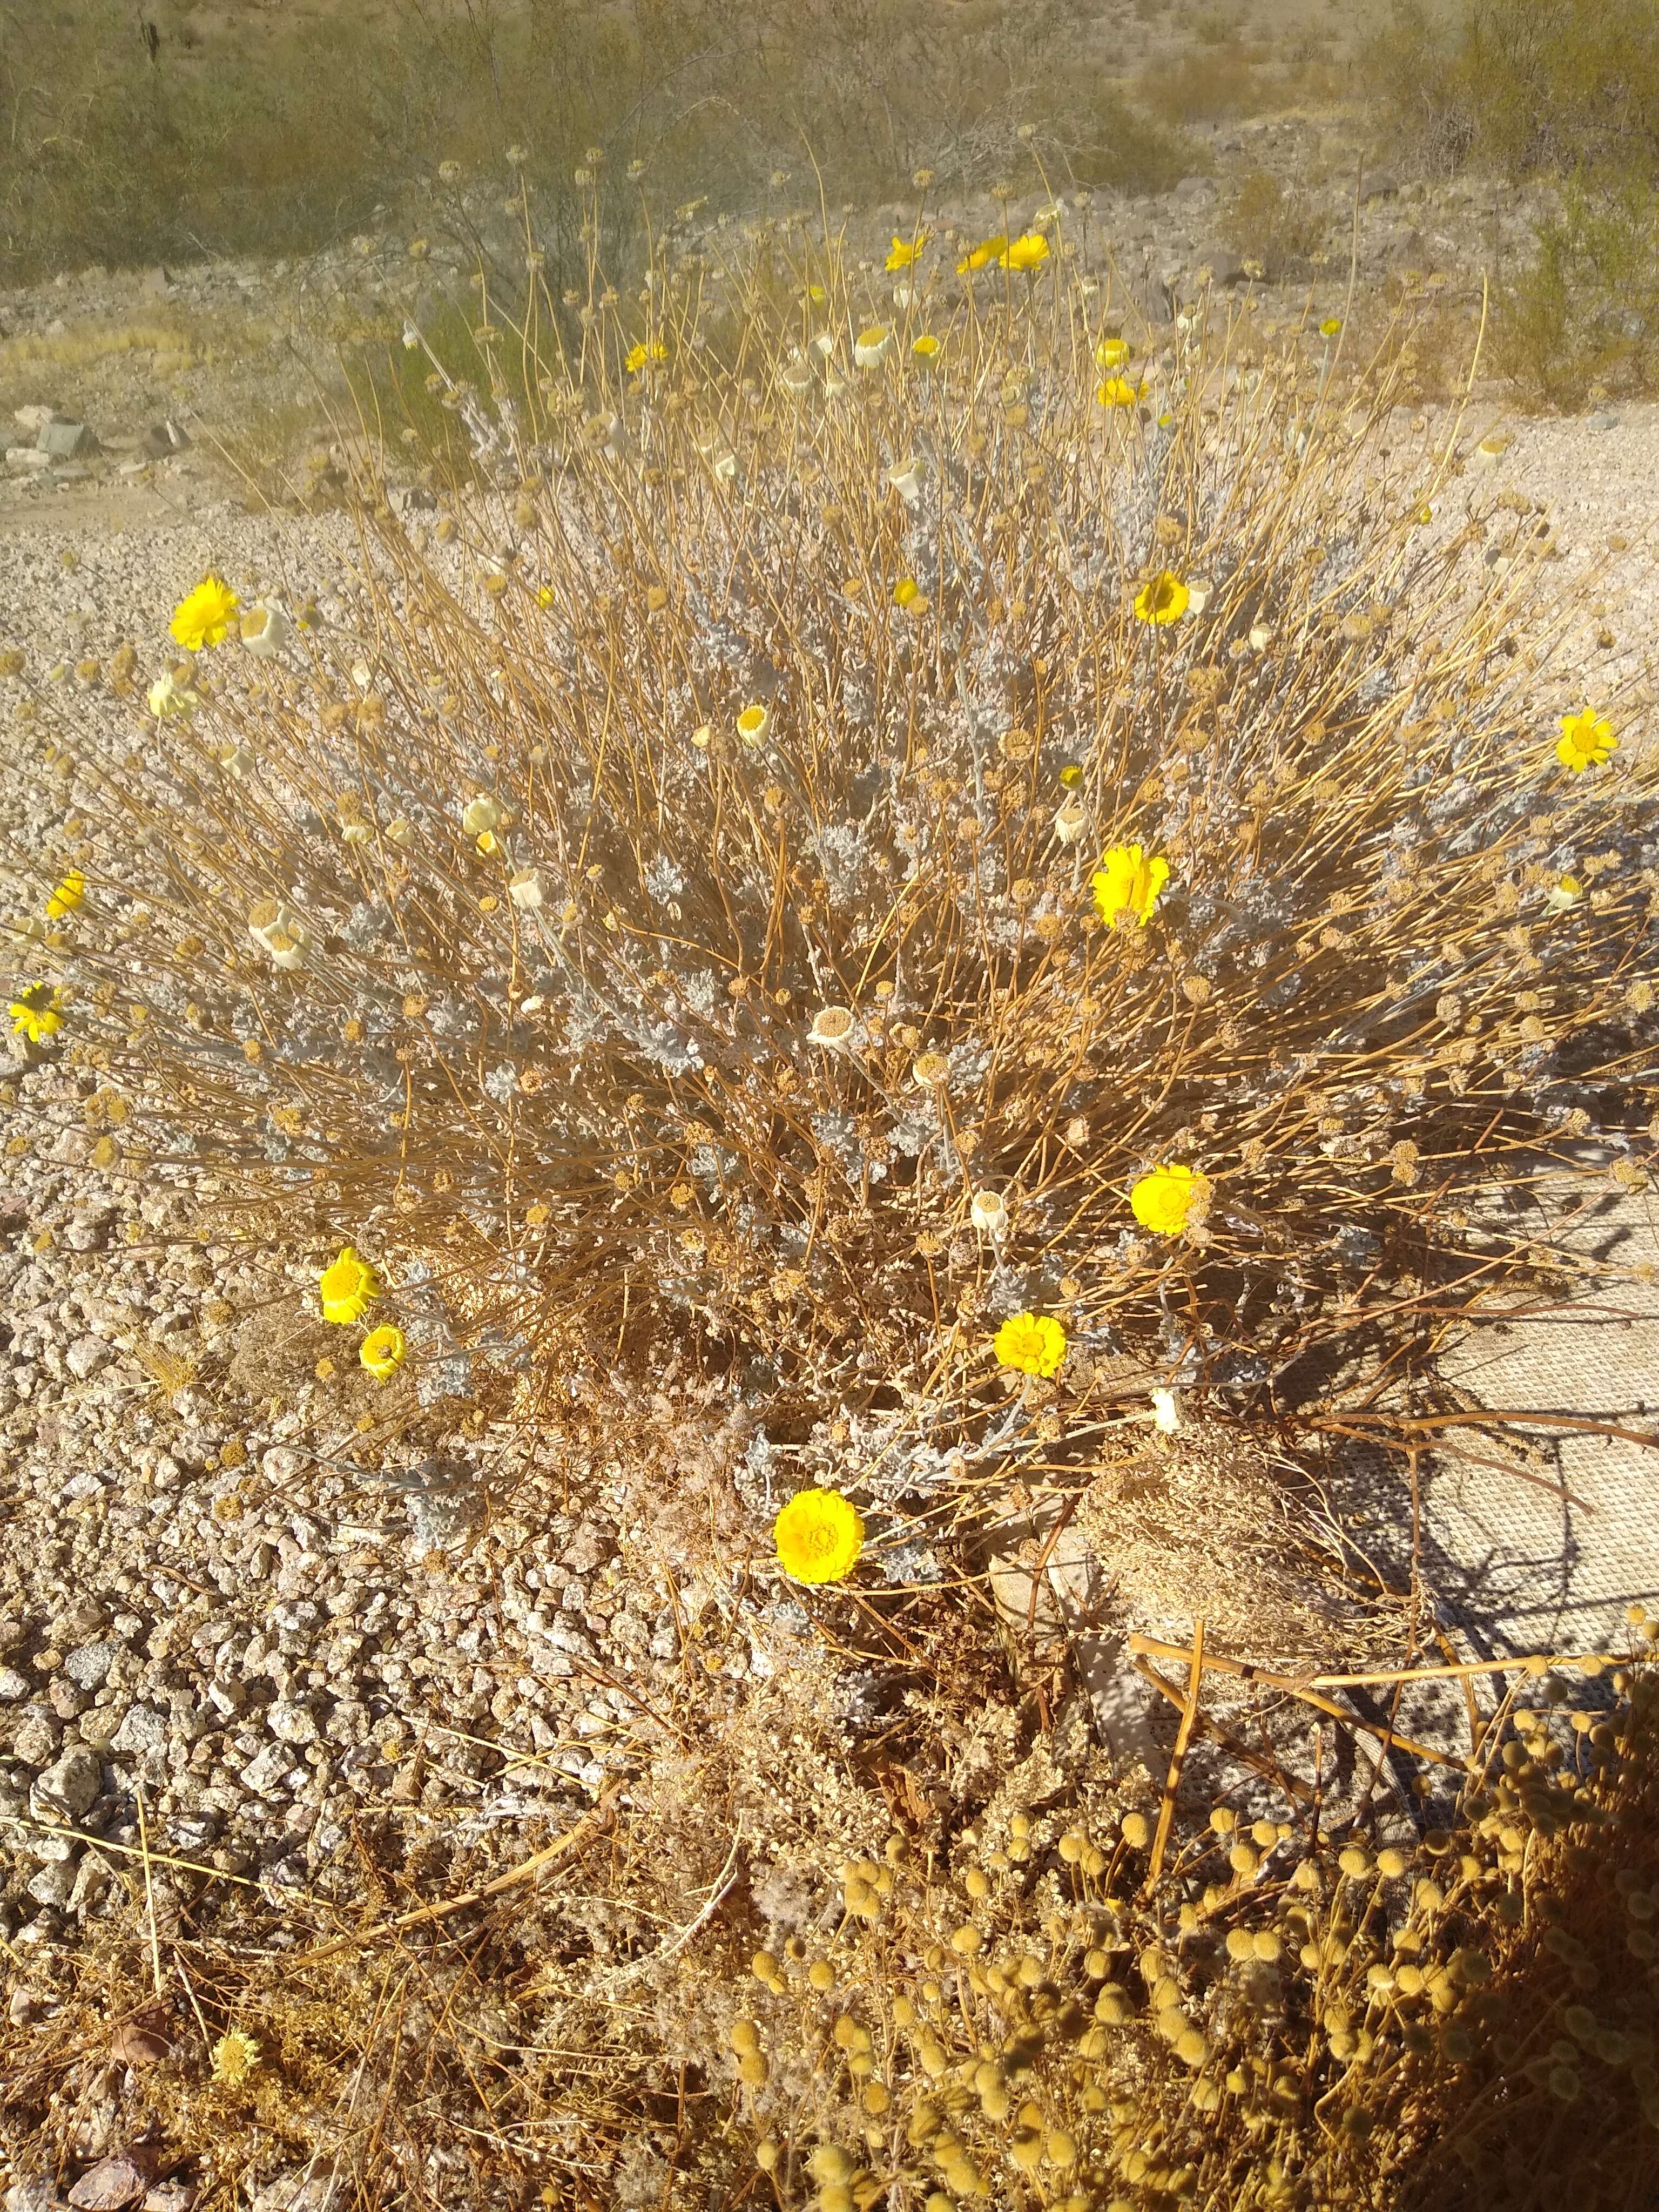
{"points": [[1112, 353], [382, 1350], [872, 346], [1586, 741], [926, 346], [1161, 1201], [751, 725], [819, 1534], [1030, 251], [1116, 391], [906, 591], [907, 252], [983, 255], [1564, 893], [35, 1014], [346, 1287], [205, 616], [1129, 881], [1331, 327], [1164, 600], [234, 2057], [68, 896], [816, 294], [1035, 1344], [640, 355]]}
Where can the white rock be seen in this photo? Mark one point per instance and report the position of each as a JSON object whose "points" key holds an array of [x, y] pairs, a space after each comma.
{"points": [[86, 1355]]}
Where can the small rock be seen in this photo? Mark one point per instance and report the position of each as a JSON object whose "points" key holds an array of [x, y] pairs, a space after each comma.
{"points": [[36, 1739], [35, 2194], [115, 2182], [140, 2042], [1380, 184], [13, 1687], [1602, 420], [162, 439], [26, 457], [292, 1724], [1223, 264], [65, 441], [266, 1773], [144, 1730], [86, 1355], [65, 1791], [34, 417], [170, 2196], [53, 1885], [89, 1664]]}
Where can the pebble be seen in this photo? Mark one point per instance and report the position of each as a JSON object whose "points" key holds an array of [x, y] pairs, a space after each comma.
{"points": [[67, 1788]]}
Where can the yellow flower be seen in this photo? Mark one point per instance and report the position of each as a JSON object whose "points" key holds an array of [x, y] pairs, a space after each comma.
{"points": [[907, 252], [926, 346], [1112, 353], [1585, 742], [1028, 252], [1161, 1201], [1129, 881], [347, 1287], [816, 294], [1163, 600], [1566, 892], [819, 1535], [638, 356], [871, 346], [1331, 327], [1033, 1343], [382, 1350], [907, 592], [1116, 391], [35, 1014], [234, 2057], [1071, 775], [983, 255], [751, 725], [67, 896], [203, 616]]}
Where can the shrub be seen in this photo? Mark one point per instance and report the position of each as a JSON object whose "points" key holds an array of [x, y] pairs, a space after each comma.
{"points": [[1553, 86], [712, 918], [1586, 312], [1273, 224]]}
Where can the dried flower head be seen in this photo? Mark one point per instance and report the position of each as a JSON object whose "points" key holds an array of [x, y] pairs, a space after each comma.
{"points": [[235, 2057]]}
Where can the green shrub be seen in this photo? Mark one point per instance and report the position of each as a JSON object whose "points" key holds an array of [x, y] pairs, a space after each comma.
{"points": [[1586, 314], [1269, 222], [1528, 87]]}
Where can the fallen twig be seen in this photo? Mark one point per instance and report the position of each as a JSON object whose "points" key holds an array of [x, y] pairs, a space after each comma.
{"points": [[1177, 1758]]}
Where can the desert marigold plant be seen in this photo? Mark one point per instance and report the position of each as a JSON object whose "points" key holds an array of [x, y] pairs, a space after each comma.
{"points": [[846, 801]]}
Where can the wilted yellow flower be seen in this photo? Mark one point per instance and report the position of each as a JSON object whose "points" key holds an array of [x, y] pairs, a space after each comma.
{"points": [[526, 889], [35, 1014], [819, 1534], [203, 616], [751, 723], [169, 695], [816, 294], [234, 2057], [382, 1350], [1129, 881], [639, 355], [1112, 353], [1567, 891], [1033, 1343], [479, 815], [983, 255], [1160, 1201], [872, 346], [67, 896], [346, 1287], [1586, 741], [1028, 252], [926, 346], [1117, 392], [1164, 600], [906, 252], [264, 630]]}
